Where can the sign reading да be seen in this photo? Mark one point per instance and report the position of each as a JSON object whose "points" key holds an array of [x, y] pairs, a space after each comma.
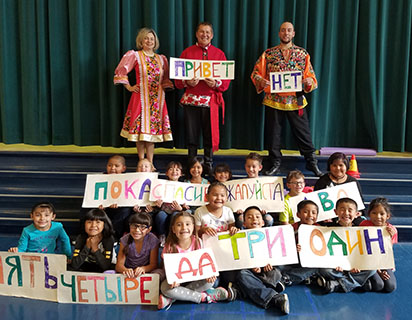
{"points": [[286, 81], [187, 69]]}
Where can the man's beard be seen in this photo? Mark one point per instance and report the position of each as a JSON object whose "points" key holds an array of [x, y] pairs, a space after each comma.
{"points": [[285, 42]]}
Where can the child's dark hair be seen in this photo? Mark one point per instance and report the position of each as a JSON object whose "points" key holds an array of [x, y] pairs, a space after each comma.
{"points": [[119, 157], [45, 205], [380, 201], [304, 203], [172, 239], [98, 214], [294, 174], [254, 156], [191, 163], [141, 218], [252, 208], [215, 184], [173, 164], [338, 156], [223, 167], [346, 200]]}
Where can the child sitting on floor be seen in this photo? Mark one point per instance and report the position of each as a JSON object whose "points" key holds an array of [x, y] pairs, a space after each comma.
{"points": [[262, 285], [139, 249], [333, 280], [44, 235], [93, 251], [182, 238], [379, 213]]}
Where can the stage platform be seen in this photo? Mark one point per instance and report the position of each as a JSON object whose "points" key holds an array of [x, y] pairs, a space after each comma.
{"points": [[29, 174], [306, 303]]}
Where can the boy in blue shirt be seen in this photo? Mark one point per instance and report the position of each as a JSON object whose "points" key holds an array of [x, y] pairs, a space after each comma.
{"points": [[335, 280], [43, 235], [262, 285]]}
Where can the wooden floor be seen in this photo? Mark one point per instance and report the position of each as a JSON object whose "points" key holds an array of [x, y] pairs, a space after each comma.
{"points": [[305, 303]]}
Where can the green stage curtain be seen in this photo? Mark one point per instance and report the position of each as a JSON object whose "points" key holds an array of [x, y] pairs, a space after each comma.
{"points": [[57, 59]]}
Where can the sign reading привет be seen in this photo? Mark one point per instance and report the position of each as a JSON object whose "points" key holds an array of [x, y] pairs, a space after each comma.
{"points": [[187, 69], [286, 81]]}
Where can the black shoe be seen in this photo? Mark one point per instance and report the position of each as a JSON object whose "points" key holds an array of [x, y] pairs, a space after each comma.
{"points": [[232, 291], [286, 280], [321, 281], [280, 287], [331, 286], [311, 166], [282, 302], [274, 170]]}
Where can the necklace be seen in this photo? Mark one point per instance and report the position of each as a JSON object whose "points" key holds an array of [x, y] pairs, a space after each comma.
{"points": [[148, 54]]}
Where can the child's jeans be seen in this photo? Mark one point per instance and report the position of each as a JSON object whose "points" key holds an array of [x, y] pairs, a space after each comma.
{"points": [[296, 273], [378, 284], [348, 280], [252, 286]]}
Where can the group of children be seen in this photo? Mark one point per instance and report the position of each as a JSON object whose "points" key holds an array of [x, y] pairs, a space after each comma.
{"points": [[182, 228]]}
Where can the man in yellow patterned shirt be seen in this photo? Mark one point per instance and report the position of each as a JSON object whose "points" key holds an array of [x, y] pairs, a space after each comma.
{"points": [[286, 57]]}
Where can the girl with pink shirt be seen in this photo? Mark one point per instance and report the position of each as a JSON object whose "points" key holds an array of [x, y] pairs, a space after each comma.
{"points": [[183, 238]]}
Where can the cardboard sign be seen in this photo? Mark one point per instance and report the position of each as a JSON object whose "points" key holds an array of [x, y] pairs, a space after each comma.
{"points": [[190, 266], [182, 192], [287, 81], [187, 69], [364, 248], [326, 199], [102, 288], [265, 192], [44, 277], [125, 190], [252, 248], [31, 275]]}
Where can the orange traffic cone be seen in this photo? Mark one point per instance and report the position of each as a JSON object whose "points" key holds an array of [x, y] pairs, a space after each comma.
{"points": [[353, 168]]}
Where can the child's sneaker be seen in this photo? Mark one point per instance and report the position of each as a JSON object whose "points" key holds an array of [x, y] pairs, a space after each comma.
{"points": [[331, 286], [232, 292], [321, 281], [286, 280], [282, 302], [280, 287], [310, 280], [216, 294], [164, 302]]}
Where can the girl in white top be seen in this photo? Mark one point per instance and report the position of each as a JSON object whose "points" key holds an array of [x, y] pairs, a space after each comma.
{"points": [[215, 217], [182, 238]]}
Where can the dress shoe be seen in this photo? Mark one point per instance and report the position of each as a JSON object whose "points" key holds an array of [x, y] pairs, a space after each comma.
{"points": [[312, 166], [274, 170]]}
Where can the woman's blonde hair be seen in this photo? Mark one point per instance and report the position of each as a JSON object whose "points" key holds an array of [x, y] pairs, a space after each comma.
{"points": [[142, 34]]}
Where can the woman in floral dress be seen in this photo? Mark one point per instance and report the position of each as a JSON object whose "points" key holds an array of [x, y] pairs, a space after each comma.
{"points": [[146, 120]]}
